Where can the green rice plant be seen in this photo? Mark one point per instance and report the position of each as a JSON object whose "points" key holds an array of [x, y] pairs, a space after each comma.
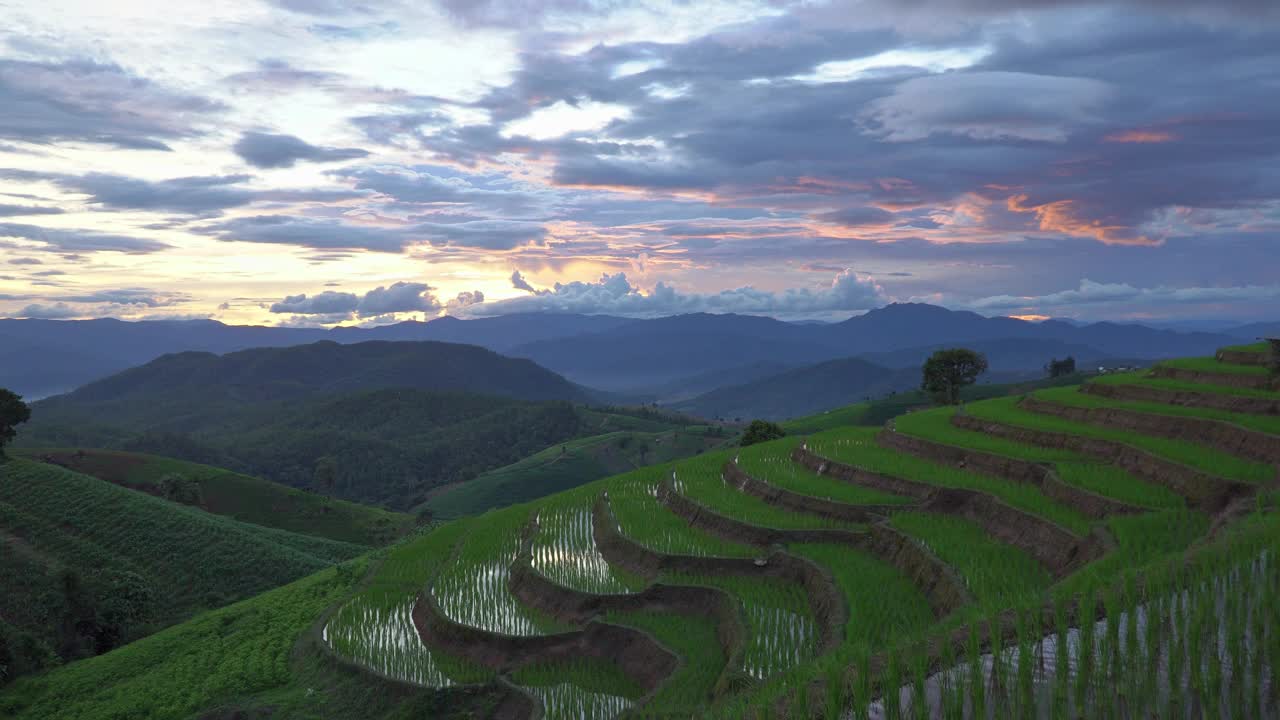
{"points": [[592, 675], [565, 551], [1208, 364], [1141, 378], [1141, 540], [781, 629], [883, 603], [702, 480], [472, 588], [566, 701], [647, 521], [1258, 347], [858, 446], [1071, 467], [695, 640], [1072, 397], [771, 462], [375, 628], [1216, 462], [998, 575]]}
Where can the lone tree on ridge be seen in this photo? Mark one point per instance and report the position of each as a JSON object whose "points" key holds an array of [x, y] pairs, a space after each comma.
{"points": [[13, 412], [761, 431], [946, 371]]}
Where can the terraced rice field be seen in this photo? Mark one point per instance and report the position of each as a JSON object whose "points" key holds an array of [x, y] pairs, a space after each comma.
{"points": [[1171, 613]]}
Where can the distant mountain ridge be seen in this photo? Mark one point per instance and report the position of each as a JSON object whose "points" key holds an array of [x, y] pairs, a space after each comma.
{"points": [[605, 352]]}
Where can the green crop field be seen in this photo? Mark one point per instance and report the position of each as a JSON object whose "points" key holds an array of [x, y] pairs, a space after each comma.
{"points": [[857, 632], [239, 496], [1069, 396], [1180, 385]]}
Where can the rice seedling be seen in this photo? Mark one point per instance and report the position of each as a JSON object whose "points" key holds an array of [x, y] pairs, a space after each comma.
{"points": [[565, 551], [771, 462], [1073, 397], [998, 575], [1204, 458], [1141, 378], [1208, 364], [696, 641], [858, 446], [781, 629], [472, 588], [702, 481], [375, 628], [883, 603], [1071, 467], [647, 521], [579, 688]]}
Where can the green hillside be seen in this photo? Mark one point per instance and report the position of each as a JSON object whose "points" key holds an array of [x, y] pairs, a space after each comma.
{"points": [[823, 576], [244, 498], [568, 465], [100, 565]]}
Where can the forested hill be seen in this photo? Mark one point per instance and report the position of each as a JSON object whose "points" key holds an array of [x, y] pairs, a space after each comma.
{"points": [[370, 422], [321, 368]]}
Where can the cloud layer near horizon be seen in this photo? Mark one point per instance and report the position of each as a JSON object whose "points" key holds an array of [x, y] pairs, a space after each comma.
{"points": [[327, 161]]}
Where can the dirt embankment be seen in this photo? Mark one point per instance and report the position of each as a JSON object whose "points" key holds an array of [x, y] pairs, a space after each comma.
{"points": [[939, 582], [826, 602], [1242, 357], [1224, 436], [1202, 490], [1185, 398], [1225, 379], [1056, 548], [636, 653], [1041, 475], [808, 504]]}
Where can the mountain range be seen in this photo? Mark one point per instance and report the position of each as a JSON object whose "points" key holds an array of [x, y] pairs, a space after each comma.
{"points": [[654, 359]]}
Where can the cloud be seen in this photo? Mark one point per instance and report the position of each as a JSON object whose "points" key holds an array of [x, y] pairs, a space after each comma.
{"points": [[26, 261], [423, 187], [858, 217], [615, 295], [310, 232], [87, 101], [987, 106], [518, 282], [194, 195], [399, 297], [464, 299], [57, 311], [80, 240], [1094, 293], [265, 150], [15, 210]]}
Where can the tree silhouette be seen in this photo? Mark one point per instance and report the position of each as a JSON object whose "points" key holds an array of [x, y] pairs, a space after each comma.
{"points": [[947, 371], [13, 412]]}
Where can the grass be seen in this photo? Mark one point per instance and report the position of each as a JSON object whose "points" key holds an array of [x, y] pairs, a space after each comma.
{"points": [[579, 688], [1203, 458], [781, 632], [701, 480], [567, 465], [1258, 347], [998, 575], [1182, 386], [217, 657], [857, 446], [1072, 467], [696, 641], [1074, 398], [244, 498], [1211, 365], [646, 521], [74, 544], [771, 462]]}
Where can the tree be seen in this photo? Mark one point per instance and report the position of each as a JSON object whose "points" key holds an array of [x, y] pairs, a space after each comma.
{"points": [[761, 431], [325, 475], [1060, 368], [13, 412], [947, 371]]}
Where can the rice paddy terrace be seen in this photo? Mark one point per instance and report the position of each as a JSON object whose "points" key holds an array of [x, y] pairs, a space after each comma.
{"points": [[1097, 550]]}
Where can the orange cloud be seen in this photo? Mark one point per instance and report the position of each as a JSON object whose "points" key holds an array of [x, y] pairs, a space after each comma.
{"points": [[1141, 136], [1064, 216], [1030, 318]]}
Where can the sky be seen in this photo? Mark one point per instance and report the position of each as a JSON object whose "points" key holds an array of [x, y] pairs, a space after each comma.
{"points": [[359, 162]]}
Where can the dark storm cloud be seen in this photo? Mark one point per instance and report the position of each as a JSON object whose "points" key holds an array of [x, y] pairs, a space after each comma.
{"points": [[266, 150], [87, 101]]}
